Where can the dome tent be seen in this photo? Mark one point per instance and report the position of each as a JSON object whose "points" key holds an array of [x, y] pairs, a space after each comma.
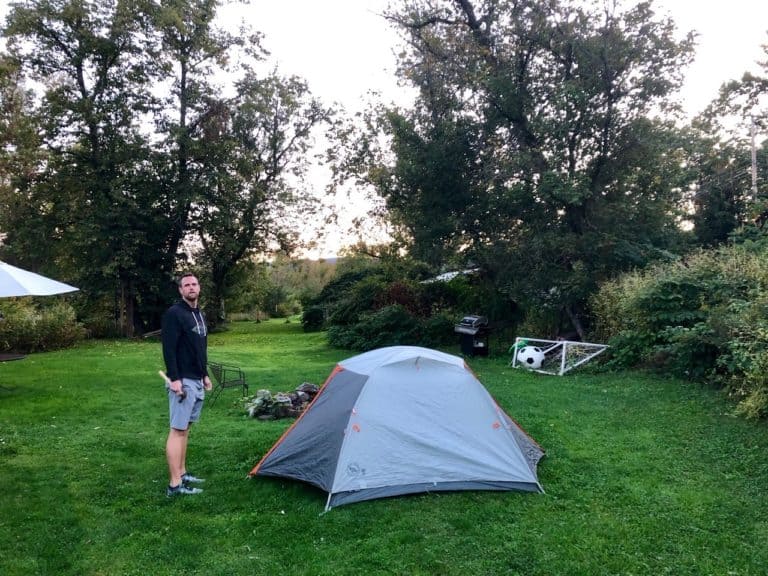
{"points": [[403, 420]]}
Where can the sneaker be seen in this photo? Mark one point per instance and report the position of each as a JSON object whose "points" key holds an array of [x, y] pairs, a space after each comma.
{"points": [[188, 478], [181, 489]]}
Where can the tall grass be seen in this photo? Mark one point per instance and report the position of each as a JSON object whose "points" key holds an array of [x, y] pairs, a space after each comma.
{"points": [[643, 475]]}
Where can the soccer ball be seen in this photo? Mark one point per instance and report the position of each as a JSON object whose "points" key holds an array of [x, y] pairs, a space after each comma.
{"points": [[531, 357]]}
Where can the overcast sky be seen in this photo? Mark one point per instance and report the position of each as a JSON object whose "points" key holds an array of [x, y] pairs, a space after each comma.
{"points": [[343, 48], [731, 34]]}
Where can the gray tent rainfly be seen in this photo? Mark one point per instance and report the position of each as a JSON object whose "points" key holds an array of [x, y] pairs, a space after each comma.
{"points": [[403, 420]]}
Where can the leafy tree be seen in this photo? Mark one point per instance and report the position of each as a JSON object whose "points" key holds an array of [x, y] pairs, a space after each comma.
{"points": [[302, 278], [87, 206], [532, 148], [254, 149], [432, 191], [734, 121], [721, 194], [133, 160], [20, 154], [188, 53]]}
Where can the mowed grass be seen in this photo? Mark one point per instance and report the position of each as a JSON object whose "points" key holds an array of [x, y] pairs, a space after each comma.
{"points": [[643, 475]]}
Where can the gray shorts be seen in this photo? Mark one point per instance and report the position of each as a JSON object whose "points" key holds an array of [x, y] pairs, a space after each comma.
{"points": [[188, 410]]}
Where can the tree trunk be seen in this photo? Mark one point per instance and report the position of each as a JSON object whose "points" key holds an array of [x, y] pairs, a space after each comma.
{"points": [[127, 309], [575, 321]]}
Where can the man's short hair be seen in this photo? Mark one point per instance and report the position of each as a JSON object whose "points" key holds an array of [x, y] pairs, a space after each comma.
{"points": [[184, 275]]}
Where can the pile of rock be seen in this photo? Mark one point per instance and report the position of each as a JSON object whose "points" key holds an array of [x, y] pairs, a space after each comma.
{"points": [[268, 406]]}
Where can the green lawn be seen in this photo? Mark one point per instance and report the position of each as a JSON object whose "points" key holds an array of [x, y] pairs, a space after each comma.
{"points": [[643, 475]]}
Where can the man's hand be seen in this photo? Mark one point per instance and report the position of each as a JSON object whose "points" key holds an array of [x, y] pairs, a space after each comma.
{"points": [[175, 386], [207, 383]]}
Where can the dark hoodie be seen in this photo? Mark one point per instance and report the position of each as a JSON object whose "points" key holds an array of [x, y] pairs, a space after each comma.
{"points": [[185, 342]]}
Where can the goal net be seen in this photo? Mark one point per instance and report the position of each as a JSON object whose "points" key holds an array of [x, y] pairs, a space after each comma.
{"points": [[554, 357]]}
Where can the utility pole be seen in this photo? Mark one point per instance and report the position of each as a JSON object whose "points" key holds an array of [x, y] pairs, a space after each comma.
{"points": [[753, 130]]}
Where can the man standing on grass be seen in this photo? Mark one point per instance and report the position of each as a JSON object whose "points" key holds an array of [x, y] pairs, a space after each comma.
{"points": [[185, 351]]}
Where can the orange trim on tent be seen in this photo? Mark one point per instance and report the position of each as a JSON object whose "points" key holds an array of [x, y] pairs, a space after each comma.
{"points": [[336, 370], [524, 431]]}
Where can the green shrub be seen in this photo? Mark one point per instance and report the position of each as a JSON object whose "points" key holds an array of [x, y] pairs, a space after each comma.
{"points": [[359, 298], [342, 337], [339, 286], [540, 322], [689, 352], [442, 296], [313, 319], [25, 327], [390, 326], [389, 305], [287, 308], [704, 319], [437, 330], [405, 294], [753, 392], [98, 318], [18, 330], [59, 328]]}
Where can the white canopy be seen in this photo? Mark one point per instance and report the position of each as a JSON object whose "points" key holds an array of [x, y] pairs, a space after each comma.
{"points": [[17, 282]]}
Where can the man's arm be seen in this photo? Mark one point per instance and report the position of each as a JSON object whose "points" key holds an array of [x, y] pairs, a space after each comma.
{"points": [[207, 384], [170, 338]]}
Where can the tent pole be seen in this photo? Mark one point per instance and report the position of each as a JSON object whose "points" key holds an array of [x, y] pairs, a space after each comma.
{"points": [[328, 503]]}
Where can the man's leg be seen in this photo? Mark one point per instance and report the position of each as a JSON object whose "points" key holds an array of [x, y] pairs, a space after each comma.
{"points": [[183, 460], [175, 452], [194, 416]]}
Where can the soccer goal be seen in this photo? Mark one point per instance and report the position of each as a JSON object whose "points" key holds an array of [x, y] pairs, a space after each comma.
{"points": [[554, 357]]}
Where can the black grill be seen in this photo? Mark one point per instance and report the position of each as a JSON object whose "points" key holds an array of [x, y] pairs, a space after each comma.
{"points": [[473, 335], [471, 325]]}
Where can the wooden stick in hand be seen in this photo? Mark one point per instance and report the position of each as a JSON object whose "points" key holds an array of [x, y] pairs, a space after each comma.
{"points": [[167, 380]]}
